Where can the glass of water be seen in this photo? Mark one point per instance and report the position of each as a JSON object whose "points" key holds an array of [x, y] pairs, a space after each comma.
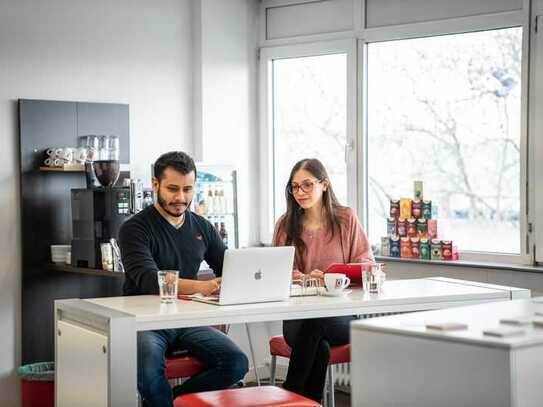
{"points": [[167, 284]]}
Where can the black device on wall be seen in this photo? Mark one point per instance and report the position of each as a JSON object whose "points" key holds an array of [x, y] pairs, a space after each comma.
{"points": [[97, 216], [46, 215]]}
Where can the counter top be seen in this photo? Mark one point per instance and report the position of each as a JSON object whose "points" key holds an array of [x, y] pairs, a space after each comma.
{"points": [[477, 317]]}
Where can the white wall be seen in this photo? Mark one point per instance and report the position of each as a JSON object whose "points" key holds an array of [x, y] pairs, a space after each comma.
{"points": [[126, 51], [226, 46]]}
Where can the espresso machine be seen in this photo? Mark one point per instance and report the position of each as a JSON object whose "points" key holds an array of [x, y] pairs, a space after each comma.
{"points": [[99, 210], [97, 216]]}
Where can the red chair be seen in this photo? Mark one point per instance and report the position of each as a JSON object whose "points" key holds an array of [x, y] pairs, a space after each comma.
{"points": [[338, 354], [262, 396], [181, 366]]}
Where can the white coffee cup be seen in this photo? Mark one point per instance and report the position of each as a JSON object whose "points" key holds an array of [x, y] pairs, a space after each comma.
{"points": [[335, 283]]}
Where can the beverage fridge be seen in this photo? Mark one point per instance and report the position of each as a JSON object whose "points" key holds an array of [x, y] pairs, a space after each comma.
{"points": [[216, 200]]}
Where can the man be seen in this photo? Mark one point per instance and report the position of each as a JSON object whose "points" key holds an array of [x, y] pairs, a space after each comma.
{"points": [[168, 236]]}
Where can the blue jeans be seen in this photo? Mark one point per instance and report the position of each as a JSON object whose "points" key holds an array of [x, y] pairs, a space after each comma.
{"points": [[226, 363]]}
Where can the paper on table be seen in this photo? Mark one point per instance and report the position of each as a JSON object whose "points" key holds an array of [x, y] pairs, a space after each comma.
{"points": [[197, 295], [447, 326], [517, 321], [299, 291], [503, 332]]}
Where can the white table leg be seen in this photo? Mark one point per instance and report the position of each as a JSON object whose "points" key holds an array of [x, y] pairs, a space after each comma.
{"points": [[257, 376]]}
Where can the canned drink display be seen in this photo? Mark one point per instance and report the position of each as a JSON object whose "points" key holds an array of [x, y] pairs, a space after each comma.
{"points": [[436, 249], [405, 208], [385, 246], [395, 208], [416, 209], [395, 246], [415, 247], [405, 248], [446, 250], [432, 229], [427, 209], [422, 227], [402, 227], [412, 227], [392, 227], [425, 249], [418, 189]]}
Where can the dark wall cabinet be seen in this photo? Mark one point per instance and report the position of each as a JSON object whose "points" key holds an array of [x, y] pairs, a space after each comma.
{"points": [[46, 211]]}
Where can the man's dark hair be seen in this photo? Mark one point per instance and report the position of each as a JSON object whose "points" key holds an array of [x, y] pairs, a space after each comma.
{"points": [[177, 160]]}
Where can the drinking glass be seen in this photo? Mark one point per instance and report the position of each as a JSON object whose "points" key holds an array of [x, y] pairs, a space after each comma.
{"points": [[366, 279], [109, 148], [107, 256], [167, 285], [92, 144]]}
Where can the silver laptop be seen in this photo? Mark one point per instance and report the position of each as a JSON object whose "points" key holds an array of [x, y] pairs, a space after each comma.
{"points": [[254, 275]]}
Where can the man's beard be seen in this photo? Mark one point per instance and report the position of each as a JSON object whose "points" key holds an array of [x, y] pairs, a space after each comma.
{"points": [[164, 205]]}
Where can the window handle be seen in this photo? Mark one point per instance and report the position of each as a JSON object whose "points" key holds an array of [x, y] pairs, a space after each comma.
{"points": [[349, 146]]}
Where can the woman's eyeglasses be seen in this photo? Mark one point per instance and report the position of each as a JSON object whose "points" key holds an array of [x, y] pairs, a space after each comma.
{"points": [[306, 186]]}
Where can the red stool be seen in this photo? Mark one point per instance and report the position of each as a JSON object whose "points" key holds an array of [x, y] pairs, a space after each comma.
{"points": [[262, 396], [180, 364], [338, 354], [178, 367]]}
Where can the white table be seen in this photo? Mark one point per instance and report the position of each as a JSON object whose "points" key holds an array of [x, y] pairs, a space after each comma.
{"points": [[398, 361], [95, 347]]}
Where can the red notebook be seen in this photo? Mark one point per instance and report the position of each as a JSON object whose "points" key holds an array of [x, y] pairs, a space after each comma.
{"points": [[351, 270]]}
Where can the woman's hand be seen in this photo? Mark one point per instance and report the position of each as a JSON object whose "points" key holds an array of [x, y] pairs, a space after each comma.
{"points": [[317, 274], [297, 275]]}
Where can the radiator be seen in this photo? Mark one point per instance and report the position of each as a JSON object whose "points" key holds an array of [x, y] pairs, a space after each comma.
{"points": [[342, 378]]}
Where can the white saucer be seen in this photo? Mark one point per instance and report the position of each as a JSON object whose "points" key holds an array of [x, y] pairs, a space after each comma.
{"points": [[340, 294]]}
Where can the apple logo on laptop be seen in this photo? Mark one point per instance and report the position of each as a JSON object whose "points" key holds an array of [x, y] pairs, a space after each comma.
{"points": [[258, 275]]}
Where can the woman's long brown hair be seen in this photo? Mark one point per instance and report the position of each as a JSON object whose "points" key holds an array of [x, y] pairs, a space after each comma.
{"points": [[293, 220]]}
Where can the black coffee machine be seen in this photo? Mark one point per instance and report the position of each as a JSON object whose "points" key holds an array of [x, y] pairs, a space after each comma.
{"points": [[97, 216], [99, 211]]}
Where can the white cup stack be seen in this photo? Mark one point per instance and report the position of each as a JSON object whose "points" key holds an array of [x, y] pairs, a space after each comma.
{"points": [[59, 252], [58, 157]]}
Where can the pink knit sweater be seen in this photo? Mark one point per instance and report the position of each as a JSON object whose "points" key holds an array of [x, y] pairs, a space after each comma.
{"points": [[350, 246]]}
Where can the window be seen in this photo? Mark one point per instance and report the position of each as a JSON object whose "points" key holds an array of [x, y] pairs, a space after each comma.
{"points": [[309, 119], [446, 110]]}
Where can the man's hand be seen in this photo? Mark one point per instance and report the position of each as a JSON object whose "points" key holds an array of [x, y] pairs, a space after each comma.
{"points": [[208, 287]]}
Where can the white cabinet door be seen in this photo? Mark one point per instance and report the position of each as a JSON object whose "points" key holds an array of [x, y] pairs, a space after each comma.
{"points": [[81, 366]]}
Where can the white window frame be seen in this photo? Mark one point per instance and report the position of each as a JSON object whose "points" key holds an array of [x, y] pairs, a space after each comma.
{"points": [[458, 26], [536, 130], [531, 147], [267, 56]]}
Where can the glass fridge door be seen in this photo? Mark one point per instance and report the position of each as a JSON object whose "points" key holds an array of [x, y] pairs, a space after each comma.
{"points": [[216, 200]]}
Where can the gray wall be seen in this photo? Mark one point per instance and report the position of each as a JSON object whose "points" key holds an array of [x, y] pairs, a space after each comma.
{"points": [[225, 86], [126, 51]]}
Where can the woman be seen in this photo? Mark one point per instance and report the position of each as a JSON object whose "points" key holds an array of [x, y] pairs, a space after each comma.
{"points": [[323, 232]]}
